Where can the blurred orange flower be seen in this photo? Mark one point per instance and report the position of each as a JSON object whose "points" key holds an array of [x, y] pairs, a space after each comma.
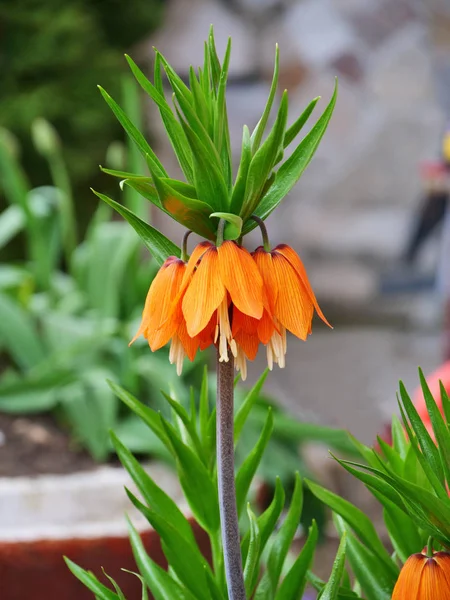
{"points": [[227, 297], [424, 578]]}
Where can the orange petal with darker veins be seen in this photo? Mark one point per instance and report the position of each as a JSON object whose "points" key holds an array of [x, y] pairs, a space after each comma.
{"points": [[204, 293], [206, 336], [294, 308], [266, 328], [296, 262], [155, 325], [264, 262], [241, 278], [190, 344], [248, 342], [424, 578]]}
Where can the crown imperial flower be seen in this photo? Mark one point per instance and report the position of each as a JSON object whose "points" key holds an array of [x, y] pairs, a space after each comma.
{"points": [[424, 578], [227, 297]]}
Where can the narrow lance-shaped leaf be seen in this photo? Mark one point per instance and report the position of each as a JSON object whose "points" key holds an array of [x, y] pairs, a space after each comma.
{"points": [[174, 130], [331, 589], [157, 243], [294, 583], [248, 468], [221, 129], [263, 161], [359, 522], [428, 447], [91, 582], [185, 559], [134, 133], [297, 126], [376, 581], [198, 486], [252, 560], [208, 178], [261, 126], [237, 196], [292, 169], [153, 495], [439, 427], [161, 584]]}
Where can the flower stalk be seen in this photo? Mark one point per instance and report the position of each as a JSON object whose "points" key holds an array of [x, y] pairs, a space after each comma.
{"points": [[225, 472]]}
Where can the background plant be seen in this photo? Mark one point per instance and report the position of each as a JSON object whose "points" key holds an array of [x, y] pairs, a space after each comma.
{"points": [[44, 50]]}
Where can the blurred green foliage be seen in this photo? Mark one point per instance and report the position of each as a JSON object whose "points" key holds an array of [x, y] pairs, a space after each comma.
{"points": [[52, 56]]}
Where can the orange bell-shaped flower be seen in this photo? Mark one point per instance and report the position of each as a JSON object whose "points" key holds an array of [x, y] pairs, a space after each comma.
{"points": [[424, 578], [290, 299]]}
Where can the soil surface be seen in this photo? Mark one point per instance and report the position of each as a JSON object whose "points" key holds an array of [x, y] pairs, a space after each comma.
{"points": [[37, 445]]}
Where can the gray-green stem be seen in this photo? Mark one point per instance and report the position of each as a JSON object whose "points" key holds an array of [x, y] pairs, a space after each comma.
{"points": [[225, 472]]}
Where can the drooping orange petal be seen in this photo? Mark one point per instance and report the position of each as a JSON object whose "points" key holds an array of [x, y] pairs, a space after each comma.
{"points": [[407, 586], [206, 336], [241, 278], [264, 262], [190, 344], [248, 342], [296, 262], [204, 293], [266, 328], [196, 255], [158, 303], [294, 308]]}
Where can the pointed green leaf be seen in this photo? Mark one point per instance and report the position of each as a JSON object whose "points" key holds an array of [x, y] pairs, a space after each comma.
{"points": [[198, 487], [357, 520], [263, 161], [161, 584], [331, 589], [294, 583], [261, 126], [428, 447], [91, 582], [134, 133], [149, 416], [246, 406], [157, 500], [157, 243], [297, 126], [376, 581], [184, 558], [285, 535], [252, 560], [268, 520], [237, 197], [174, 130], [292, 169], [440, 428], [221, 129], [208, 178], [188, 424], [248, 468]]}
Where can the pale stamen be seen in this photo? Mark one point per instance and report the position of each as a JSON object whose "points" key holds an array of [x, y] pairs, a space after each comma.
{"points": [[223, 333], [177, 354], [276, 348], [241, 363]]}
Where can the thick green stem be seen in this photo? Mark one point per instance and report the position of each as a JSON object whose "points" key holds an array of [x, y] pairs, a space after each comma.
{"points": [[430, 547], [225, 473]]}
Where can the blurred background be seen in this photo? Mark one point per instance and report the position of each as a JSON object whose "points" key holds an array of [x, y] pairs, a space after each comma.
{"points": [[73, 278]]}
